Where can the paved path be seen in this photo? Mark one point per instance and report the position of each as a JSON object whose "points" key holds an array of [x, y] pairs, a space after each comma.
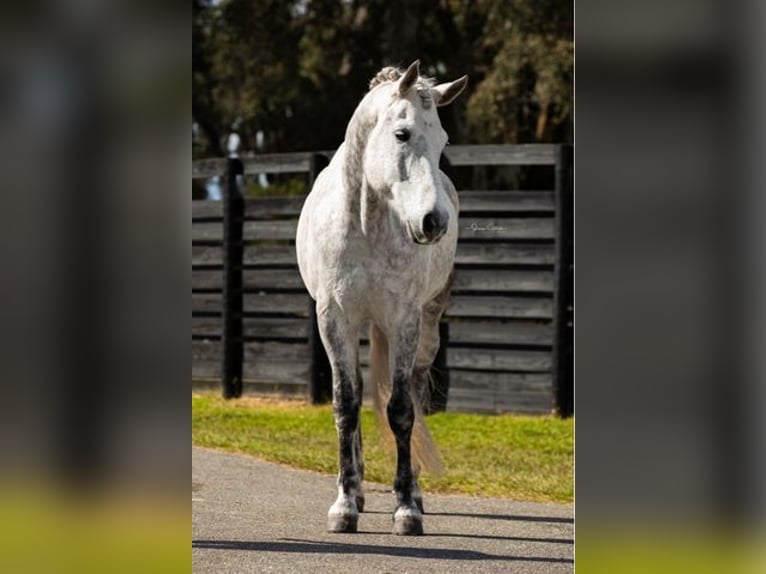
{"points": [[253, 516]]}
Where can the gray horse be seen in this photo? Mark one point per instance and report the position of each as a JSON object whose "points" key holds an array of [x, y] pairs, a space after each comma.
{"points": [[376, 245]]}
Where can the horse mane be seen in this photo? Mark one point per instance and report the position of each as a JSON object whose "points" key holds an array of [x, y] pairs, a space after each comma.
{"points": [[392, 74], [363, 121]]}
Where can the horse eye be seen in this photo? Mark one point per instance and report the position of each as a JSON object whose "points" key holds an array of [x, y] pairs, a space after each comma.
{"points": [[402, 135]]}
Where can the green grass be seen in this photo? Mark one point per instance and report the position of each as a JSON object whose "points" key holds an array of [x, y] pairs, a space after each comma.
{"points": [[520, 457]]}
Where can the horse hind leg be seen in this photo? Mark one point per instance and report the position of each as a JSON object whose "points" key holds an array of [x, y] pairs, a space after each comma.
{"points": [[424, 452], [428, 345], [358, 450]]}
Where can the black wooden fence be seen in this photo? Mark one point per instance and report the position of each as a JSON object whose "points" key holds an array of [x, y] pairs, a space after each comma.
{"points": [[507, 332]]}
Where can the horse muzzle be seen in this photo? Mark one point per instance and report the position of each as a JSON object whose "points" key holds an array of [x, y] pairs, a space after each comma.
{"points": [[431, 229]]}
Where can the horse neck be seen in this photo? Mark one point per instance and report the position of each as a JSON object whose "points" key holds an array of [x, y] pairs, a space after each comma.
{"points": [[363, 203], [357, 133]]}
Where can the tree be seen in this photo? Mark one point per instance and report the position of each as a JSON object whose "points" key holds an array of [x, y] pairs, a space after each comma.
{"points": [[295, 70]]}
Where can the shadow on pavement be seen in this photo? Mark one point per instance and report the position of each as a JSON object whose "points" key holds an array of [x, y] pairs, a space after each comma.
{"points": [[510, 538], [554, 519], [314, 547]]}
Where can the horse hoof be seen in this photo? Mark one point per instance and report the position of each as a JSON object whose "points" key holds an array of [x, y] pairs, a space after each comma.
{"points": [[408, 522], [360, 503], [408, 526], [340, 524]]}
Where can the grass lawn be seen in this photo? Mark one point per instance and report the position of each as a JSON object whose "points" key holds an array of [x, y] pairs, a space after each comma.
{"points": [[520, 457]]}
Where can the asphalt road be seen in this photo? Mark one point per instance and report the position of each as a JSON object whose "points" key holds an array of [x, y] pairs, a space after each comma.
{"points": [[253, 516]]}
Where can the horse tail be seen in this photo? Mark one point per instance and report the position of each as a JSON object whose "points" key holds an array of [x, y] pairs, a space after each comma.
{"points": [[425, 455]]}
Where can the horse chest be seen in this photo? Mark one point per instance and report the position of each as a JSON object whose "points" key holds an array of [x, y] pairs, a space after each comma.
{"points": [[369, 275]]}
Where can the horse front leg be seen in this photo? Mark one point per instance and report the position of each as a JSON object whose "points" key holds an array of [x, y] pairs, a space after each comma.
{"points": [[408, 519], [341, 343]]}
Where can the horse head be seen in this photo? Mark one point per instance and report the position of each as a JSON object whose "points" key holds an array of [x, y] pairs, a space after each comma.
{"points": [[401, 157]]}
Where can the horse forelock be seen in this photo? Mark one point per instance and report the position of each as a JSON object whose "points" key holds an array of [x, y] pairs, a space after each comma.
{"points": [[392, 74]]}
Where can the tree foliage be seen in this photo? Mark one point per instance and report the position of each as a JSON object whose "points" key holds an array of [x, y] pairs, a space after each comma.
{"points": [[295, 70]]}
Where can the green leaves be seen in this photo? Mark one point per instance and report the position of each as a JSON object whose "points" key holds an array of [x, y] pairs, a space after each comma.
{"points": [[296, 70]]}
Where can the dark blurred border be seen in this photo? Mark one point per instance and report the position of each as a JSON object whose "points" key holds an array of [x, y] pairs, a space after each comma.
{"points": [[95, 164], [669, 271]]}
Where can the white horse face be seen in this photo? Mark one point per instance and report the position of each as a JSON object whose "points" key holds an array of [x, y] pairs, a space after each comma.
{"points": [[403, 150]]}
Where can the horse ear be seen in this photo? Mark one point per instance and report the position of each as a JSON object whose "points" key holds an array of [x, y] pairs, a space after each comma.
{"points": [[447, 92], [409, 78]]}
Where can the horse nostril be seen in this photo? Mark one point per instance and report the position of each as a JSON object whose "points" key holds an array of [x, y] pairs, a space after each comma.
{"points": [[429, 225], [433, 225]]}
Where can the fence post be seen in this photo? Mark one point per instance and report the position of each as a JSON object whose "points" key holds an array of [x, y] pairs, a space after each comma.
{"points": [[563, 347], [320, 383], [232, 347]]}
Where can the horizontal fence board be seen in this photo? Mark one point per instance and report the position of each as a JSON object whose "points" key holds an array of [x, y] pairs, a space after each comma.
{"points": [[504, 254], [500, 392], [497, 333], [265, 370], [265, 255], [207, 279], [253, 256], [270, 229], [501, 381], [208, 231], [207, 302], [263, 327], [274, 279], [488, 403], [204, 168], [512, 401], [206, 326], [252, 279], [256, 328], [256, 303], [529, 154], [505, 201], [206, 370], [502, 280], [206, 359], [499, 359], [292, 304], [473, 400], [500, 306], [207, 255], [260, 207], [458, 155], [505, 228], [280, 362], [207, 209], [252, 230], [297, 162]]}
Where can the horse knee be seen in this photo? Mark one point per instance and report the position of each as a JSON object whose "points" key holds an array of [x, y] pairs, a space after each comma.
{"points": [[401, 413], [346, 413]]}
